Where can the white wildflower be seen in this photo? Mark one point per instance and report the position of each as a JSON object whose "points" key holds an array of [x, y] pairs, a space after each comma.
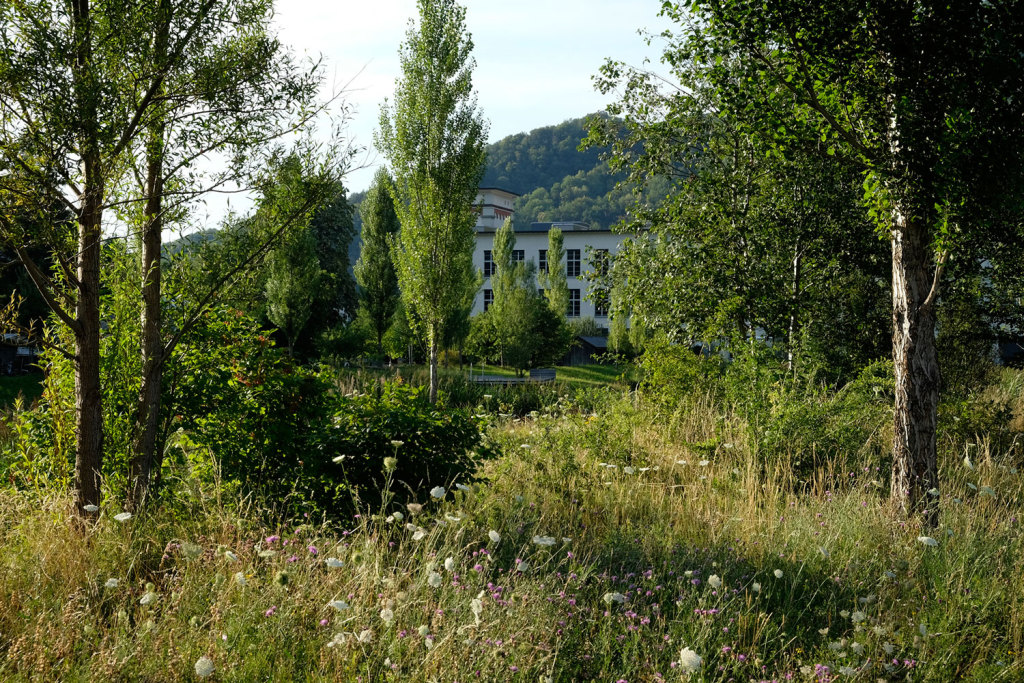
{"points": [[628, 470], [544, 540], [91, 508], [614, 597], [419, 535], [149, 598], [428, 642], [714, 581], [240, 578], [477, 607], [424, 631], [334, 562], [434, 580], [457, 517], [387, 616], [689, 661], [123, 516], [704, 463], [494, 536], [339, 605], [204, 667], [756, 588], [845, 614], [398, 516], [396, 443], [365, 636], [889, 648], [231, 556], [778, 573], [437, 492], [928, 541], [522, 566], [111, 583], [967, 462], [857, 617], [463, 488]]}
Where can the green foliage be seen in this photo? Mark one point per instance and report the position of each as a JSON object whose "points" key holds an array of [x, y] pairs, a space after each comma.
{"points": [[276, 429], [554, 282], [375, 272], [293, 276], [433, 138]]}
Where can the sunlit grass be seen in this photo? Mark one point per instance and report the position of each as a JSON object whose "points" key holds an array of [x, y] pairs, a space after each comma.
{"points": [[609, 546]]}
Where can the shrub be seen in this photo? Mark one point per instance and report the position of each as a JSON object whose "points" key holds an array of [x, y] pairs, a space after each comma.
{"points": [[276, 429]]}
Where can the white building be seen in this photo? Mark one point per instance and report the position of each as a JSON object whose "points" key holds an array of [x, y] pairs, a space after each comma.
{"points": [[583, 247]]}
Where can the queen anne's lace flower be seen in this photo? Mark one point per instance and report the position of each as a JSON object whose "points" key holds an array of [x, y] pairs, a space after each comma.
{"points": [[689, 661], [122, 516], [204, 667], [494, 536]]}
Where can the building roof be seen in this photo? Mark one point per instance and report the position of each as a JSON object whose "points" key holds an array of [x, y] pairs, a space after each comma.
{"points": [[596, 342], [498, 189]]}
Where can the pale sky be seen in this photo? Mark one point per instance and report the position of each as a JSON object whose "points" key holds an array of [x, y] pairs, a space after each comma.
{"points": [[535, 58]]}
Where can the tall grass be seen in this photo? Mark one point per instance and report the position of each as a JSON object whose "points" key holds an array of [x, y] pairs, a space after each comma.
{"points": [[621, 536]]}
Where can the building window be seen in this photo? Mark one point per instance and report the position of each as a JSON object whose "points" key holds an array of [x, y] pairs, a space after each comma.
{"points": [[542, 260], [600, 304], [540, 292], [518, 255], [574, 302], [572, 263], [488, 264], [488, 298], [600, 261]]}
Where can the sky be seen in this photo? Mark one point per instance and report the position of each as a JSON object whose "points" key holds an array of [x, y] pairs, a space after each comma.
{"points": [[535, 58]]}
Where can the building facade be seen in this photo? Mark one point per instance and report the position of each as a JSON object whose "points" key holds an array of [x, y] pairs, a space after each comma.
{"points": [[586, 250]]}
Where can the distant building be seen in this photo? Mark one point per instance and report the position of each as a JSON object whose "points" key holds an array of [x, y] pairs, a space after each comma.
{"points": [[586, 250]]}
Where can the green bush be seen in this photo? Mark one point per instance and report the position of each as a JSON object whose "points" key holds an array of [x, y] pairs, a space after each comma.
{"points": [[284, 433]]}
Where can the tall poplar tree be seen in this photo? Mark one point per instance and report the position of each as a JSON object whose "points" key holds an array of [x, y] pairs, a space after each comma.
{"points": [[556, 286], [375, 272], [433, 137]]}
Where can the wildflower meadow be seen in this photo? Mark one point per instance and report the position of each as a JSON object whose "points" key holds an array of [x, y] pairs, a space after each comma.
{"points": [[604, 538]]}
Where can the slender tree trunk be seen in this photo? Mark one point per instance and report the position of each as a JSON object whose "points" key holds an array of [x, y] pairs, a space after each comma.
{"points": [[915, 469], [433, 363], [147, 453], [794, 303], [88, 398]]}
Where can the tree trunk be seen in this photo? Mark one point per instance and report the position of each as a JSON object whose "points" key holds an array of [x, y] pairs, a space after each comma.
{"points": [[88, 398], [914, 287], [147, 455], [433, 363], [794, 303]]}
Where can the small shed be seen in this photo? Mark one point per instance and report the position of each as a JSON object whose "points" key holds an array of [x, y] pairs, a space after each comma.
{"points": [[586, 350]]}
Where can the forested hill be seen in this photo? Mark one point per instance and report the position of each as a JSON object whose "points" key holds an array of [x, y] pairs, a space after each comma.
{"points": [[557, 181]]}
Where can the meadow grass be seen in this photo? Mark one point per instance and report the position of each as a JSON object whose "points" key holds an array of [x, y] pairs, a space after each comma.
{"points": [[597, 547]]}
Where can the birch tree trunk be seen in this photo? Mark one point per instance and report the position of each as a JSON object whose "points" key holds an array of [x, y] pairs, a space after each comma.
{"points": [[915, 287]]}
